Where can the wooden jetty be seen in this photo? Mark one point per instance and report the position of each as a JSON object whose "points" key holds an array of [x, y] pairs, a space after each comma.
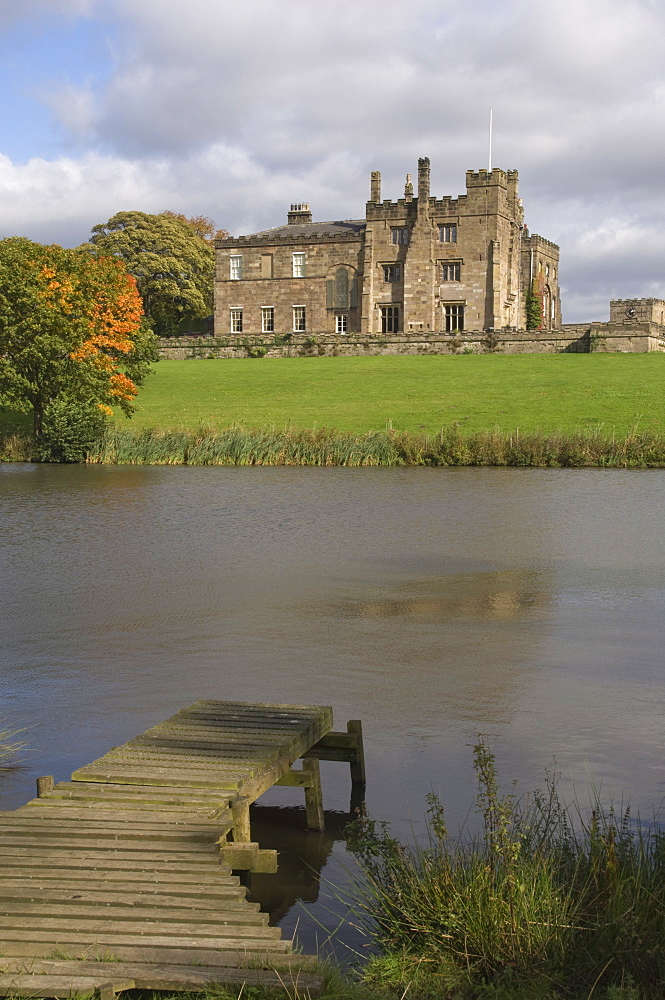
{"points": [[122, 878]]}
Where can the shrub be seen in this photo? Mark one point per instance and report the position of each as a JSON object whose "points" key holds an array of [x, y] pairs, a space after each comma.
{"points": [[70, 429]]}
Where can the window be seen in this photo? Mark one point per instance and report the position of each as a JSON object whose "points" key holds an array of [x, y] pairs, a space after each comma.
{"points": [[400, 236], [448, 232], [451, 271], [298, 265], [236, 321], [341, 323], [299, 318], [389, 319], [392, 272], [267, 319], [236, 267], [454, 317]]}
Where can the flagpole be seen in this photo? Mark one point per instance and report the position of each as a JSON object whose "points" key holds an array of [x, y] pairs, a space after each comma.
{"points": [[489, 162]]}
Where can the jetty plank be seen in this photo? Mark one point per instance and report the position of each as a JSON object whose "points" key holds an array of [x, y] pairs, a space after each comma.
{"points": [[72, 978], [115, 880]]}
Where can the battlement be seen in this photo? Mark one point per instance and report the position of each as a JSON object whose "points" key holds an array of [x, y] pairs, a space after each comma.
{"points": [[447, 205], [285, 238], [493, 178], [403, 208], [630, 311], [534, 242], [400, 209]]}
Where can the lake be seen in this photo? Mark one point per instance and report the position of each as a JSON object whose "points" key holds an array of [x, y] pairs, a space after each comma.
{"points": [[434, 604]]}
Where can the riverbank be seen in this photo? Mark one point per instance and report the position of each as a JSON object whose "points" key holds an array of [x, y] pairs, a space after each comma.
{"points": [[235, 446], [546, 901]]}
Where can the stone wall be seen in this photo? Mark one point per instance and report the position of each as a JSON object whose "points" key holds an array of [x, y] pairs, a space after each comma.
{"points": [[634, 335], [329, 345]]}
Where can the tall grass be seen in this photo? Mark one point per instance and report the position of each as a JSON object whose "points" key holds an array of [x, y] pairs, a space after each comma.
{"points": [[10, 747], [239, 445], [545, 901], [300, 446], [16, 446]]}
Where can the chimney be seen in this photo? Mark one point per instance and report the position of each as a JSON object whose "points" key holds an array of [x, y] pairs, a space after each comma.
{"points": [[423, 183], [299, 213], [375, 195]]}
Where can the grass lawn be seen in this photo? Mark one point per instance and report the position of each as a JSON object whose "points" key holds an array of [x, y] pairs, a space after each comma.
{"points": [[531, 392]]}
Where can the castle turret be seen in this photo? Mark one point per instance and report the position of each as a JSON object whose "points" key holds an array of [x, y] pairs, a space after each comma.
{"points": [[423, 183], [375, 194]]}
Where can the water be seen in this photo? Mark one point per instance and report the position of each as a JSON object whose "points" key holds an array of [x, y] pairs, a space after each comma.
{"points": [[435, 604]]}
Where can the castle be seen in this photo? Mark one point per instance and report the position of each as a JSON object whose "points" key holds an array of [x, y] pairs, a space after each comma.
{"points": [[417, 275], [415, 265]]}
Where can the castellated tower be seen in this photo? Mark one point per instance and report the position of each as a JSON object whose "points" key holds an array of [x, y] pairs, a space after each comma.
{"points": [[415, 266], [455, 265]]}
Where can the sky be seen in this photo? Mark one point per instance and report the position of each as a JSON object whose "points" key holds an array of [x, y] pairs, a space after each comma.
{"points": [[234, 110]]}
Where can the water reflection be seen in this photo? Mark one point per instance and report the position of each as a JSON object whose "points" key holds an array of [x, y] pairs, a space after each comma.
{"points": [[303, 854], [499, 596]]}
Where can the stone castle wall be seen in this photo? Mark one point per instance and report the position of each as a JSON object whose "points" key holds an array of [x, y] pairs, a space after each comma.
{"points": [[330, 345], [570, 338]]}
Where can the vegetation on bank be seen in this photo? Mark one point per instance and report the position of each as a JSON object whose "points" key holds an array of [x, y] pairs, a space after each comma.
{"points": [[172, 259], [546, 901], [72, 343], [533, 392], [301, 447], [10, 747]]}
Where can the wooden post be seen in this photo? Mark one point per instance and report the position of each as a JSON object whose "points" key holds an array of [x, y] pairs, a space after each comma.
{"points": [[357, 765], [313, 795], [44, 785], [241, 827]]}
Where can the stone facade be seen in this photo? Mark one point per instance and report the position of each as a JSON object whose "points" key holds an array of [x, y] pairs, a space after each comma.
{"points": [[420, 275], [416, 267]]}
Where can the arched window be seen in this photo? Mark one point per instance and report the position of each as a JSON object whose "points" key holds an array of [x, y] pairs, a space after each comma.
{"points": [[341, 289]]}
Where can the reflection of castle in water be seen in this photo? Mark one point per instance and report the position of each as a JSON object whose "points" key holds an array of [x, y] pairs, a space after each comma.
{"points": [[502, 596], [302, 855]]}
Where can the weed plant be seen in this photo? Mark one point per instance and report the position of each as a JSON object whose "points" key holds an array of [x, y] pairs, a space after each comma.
{"points": [[10, 748], [299, 446], [546, 901]]}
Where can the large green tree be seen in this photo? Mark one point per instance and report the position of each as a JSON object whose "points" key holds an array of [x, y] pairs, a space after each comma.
{"points": [[72, 341], [172, 262]]}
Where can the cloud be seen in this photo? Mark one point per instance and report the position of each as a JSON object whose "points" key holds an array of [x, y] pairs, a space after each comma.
{"points": [[235, 110], [13, 12]]}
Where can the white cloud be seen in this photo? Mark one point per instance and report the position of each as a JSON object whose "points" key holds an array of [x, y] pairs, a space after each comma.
{"points": [[235, 110]]}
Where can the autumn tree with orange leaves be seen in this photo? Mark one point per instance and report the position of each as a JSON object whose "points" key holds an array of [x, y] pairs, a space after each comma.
{"points": [[72, 342]]}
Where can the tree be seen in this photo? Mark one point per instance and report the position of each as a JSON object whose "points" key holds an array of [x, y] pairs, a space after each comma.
{"points": [[202, 225], [72, 343], [172, 262]]}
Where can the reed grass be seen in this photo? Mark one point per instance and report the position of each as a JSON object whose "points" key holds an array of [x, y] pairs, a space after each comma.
{"points": [[546, 901], [10, 747], [16, 446], [239, 445]]}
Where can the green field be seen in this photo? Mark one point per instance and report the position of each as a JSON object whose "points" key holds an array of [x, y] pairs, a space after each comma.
{"points": [[565, 392]]}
